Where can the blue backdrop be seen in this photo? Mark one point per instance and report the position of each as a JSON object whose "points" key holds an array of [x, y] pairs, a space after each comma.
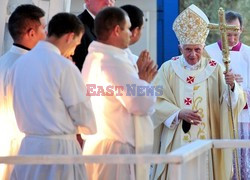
{"points": [[167, 43]]}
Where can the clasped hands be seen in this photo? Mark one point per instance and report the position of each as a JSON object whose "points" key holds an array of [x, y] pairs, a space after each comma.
{"points": [[146, 66]]}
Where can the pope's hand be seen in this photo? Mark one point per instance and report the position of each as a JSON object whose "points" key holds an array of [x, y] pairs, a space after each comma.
{"points": [[190, 116], [229, 78]]}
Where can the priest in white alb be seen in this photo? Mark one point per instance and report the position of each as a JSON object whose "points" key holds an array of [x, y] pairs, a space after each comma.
{"points": [[24, 17], [122, 123], [194, 104], [49, 102]]}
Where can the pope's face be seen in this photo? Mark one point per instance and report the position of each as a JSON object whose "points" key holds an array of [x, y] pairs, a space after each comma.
{"points": [[234, 37], [192, 52]]}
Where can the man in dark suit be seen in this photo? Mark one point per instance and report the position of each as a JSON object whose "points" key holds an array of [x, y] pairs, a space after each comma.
{"points": [[92, 7]]}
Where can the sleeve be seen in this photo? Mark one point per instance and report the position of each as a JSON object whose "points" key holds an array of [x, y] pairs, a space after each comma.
{"points": [[234, 95], [134, 91], [173, 120], [166, 105], [73, 93]]}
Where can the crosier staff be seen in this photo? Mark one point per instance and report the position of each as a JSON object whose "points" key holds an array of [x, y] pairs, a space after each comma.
{"points": [[224, 28]]}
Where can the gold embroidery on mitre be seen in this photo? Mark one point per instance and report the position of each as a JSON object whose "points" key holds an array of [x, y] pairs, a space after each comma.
{"points": [[190, 26]]}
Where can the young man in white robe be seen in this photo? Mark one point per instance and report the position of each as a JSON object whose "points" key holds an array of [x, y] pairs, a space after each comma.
{"points": [[147, 69], [50, 103], [26, 26], [240, 65], [194, 104], [109, 75], [144, 60]]}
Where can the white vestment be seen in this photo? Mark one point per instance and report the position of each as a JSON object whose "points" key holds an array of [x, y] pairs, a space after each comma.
{"points": [[143, 144], [109, 66], [50, 104], [240, 64], [133, 58], [202, 89], [10, 136]]}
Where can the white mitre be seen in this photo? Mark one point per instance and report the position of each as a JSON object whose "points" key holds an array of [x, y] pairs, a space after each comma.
{"points": [[191, 26]]}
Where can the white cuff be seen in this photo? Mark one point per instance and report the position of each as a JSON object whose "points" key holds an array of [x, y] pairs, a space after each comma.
{"points": [[173, 120], [234, 95]]}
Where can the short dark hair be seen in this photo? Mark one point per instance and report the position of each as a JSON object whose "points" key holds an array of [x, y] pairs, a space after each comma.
{"points": [[232, 15], [23, 18], [63, 23], [135, 15], [107, 19]]}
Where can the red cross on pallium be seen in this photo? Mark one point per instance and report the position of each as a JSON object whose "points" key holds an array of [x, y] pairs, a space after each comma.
{"points": [[175, 58], [188, 101], [190, 79], [212, 63]]}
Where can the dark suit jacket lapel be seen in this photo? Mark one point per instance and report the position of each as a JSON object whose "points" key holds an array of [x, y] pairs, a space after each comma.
{"points": [[88, 21]]}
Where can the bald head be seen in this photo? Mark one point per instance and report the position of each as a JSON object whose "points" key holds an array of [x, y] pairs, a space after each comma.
{"points": [[94, 6]]}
